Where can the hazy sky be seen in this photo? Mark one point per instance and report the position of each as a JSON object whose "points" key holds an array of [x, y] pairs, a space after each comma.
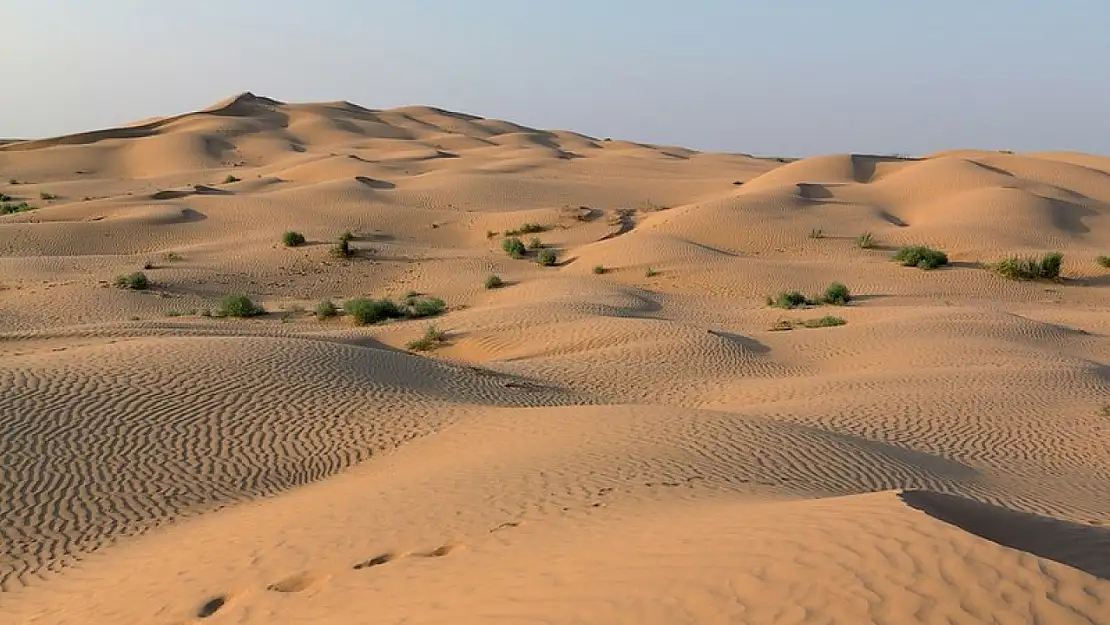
{"points": [[775, 77]]}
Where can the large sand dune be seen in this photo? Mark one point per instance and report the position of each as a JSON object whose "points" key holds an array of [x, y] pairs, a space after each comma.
{"points": [[646, 444]]}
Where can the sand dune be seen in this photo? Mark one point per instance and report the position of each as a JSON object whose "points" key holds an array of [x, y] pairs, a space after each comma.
{"points": [[628, 435]]}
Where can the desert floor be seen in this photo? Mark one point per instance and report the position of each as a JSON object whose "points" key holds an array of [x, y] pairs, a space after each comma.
{"points": [[629, 436]]}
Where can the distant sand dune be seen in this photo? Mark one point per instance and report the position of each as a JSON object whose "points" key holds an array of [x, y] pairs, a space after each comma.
{"points": [[631, 435]]}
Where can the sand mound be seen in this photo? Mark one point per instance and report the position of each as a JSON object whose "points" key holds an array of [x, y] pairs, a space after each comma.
{"points": [[630, 435]]}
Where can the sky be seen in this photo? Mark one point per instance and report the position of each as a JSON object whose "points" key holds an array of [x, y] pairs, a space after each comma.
{"points": [[770, 77]]}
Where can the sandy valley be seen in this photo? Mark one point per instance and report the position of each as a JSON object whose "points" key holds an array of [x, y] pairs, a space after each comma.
{"points": [[612, 424]]}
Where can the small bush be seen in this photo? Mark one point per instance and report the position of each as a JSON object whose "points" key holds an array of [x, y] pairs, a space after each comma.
{"points": [[292, 239], [47, 196], [342, 249], [865, 241], [535, 243], [1103, 261], [600, 269], [326, 308], [239, 306], [135, 281], [547, 258], [370, 311], [490, 234], [230, 179], [921, 257], [494, 282], [651, 273], [527, 228], [347, 236], [433, 337], [837, 294], [789, 299], [8, 208], [514, 247], [5, 198], [1028, 268], [427, 307], [172, 256], [828, 321], [817, 233]]}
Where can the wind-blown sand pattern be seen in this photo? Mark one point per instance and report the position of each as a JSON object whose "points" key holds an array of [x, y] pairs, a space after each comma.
{"points": [[639, 446]]}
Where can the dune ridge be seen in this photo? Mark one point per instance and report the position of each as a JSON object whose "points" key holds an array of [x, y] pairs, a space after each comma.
{"points": [[629, 435]]}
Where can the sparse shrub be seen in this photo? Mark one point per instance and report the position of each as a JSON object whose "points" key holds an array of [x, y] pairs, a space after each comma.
{"points": [[828, 321], [837, 294], [494, 282], [1103, 261], [647, 206], [172, 256], [230, 179], [547, 257], [410, 297], [5, 198], [817, 233], [369, 311], [1029, 268], [135, 281], [8, 208], [535, 243], [342, 249], [292, 239], [148, 266], [325, 309], [789, 299], [782, 325], [490, 234], [651, 273], [426, 307], [13, 181], [47, 196], [527, 228], [239, 306], [347, 236], [921, 256], [865, 241], [433, 337], [599, 269], [514, 247]]}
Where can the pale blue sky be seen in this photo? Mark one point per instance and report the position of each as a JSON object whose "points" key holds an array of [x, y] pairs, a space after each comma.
{"points": [[776, 77]]}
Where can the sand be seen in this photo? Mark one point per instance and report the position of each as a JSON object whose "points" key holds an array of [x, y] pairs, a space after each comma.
{"points": [[641, 443]]}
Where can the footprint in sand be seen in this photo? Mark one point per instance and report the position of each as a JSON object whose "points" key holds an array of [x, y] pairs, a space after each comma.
{"points": [[211, 606], [295, 583], [384, 558], [388, 557]]}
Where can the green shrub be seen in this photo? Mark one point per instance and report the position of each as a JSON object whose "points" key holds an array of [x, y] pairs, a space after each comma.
{"points": [[370, 311], [514, 247], [426, 307], [921, 256], [47, 196], [5, 198], [547, 257], [433, 337], [343, 249], [651, 273], [828, 321], [599, 269], [1029, 268], [230, 179], [535, 243], [527, 228], [347, 236], [494, 282], [238, 306], [326, 308], [292, 239], [789, 299], [837, 294], [8, 208], [865, 241], [1103, 261], [135, 281]]}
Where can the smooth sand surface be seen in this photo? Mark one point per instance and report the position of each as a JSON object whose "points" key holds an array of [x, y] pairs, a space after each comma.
{"points": [[641, 445]]}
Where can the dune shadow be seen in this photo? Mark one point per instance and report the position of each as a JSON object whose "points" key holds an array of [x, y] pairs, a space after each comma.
{"points": [[1084, 547], [1069, 216], [746, 342], [375, 184], [892, 219], [863, 165], [814, 191]]}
